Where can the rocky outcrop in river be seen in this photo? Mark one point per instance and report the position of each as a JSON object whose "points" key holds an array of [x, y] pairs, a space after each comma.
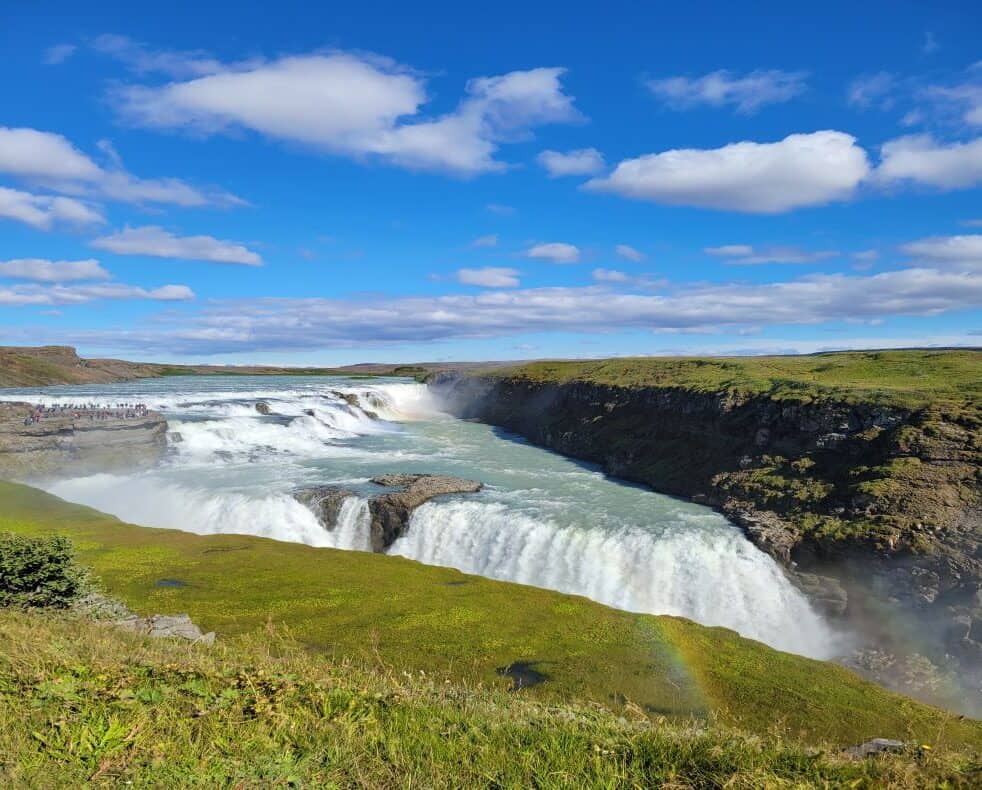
{"points": [[65, 444], [390, 512], [863, 496]]}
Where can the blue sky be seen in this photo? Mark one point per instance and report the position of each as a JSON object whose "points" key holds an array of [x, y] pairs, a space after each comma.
{"points": [[395, 182]]}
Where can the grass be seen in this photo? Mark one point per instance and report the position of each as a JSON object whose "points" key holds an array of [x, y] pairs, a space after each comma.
{"points": [[82, 704], [903, 378], [372, 608]]}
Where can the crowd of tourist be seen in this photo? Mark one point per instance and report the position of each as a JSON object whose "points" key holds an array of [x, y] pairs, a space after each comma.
{"points": [[90, 411]]}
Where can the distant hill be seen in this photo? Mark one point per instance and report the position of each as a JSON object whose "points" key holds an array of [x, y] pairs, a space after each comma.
{"points": [[30, 366]]}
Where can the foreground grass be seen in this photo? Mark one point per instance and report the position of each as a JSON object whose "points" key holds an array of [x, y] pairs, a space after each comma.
{"points": [[374, 608], [903, 378], [83, 704]]}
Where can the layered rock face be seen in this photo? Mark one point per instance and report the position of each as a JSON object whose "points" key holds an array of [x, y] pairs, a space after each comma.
{"points": [[863, 496], [61, 444], [389, 512]]}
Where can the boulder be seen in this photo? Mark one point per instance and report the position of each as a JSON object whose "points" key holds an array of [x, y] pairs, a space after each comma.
{"points": [[324, 501], [876, 746], [263, 408], [391, 512]]}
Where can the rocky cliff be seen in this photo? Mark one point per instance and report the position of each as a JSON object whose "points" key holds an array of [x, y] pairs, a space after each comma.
{"points": [[881, 499], [63, 444]]}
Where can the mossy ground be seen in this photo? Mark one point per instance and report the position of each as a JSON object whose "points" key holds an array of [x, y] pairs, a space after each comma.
{"points": [[902, 378], [86, 705], [373, 609]]}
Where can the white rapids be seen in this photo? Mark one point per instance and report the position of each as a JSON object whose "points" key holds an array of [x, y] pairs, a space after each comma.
{"points": [[542, 519]]}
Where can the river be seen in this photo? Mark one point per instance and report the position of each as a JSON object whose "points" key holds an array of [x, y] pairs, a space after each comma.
{"points": [[541, 519]]}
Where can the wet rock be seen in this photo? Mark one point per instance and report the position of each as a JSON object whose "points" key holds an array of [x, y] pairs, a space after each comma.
{"points": [[263, 408], [324, 501], [391, 512], [826, 593]]}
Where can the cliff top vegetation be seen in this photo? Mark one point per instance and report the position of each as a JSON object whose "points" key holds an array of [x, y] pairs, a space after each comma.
{"points": [[909, 378]]}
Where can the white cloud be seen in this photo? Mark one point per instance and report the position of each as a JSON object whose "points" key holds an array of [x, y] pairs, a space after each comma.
{"points": [[59, 53], [489, 277], [761, 178], [357, 105], [930, 43], [51, 160], [610, 276], [44, 211], [972, 223], [491, 240], [629, 253], [500, 209], [582, 162], [46, 271], [872, 90], [157, 242], [957, 252], [83, 294], [964, 98], [256, 325], [556, 251], [144, 60], [922, 160], [730, 250], [748, 93], [866, 255], [746, 255]]}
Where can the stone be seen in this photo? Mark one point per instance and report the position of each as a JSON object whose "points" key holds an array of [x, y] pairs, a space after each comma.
{"points": [[324, 501], [391, 512], [876, 746], [263, 408]]}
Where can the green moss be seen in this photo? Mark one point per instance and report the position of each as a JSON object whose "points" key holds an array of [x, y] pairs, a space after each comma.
{"points": [[83, 705], [374, 608], [902, 378]]}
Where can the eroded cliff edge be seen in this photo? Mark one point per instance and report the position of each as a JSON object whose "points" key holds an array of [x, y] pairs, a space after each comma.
{"points": [[876, 492], [72, 443]]}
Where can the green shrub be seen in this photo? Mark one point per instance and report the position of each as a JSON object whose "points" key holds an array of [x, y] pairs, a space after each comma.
{"points": [[39, 571]]}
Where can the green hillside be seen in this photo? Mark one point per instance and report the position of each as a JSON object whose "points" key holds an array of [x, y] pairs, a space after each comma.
{"points": [[373, 609]]}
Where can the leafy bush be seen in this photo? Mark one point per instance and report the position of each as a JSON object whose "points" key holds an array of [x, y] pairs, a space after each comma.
{"points": [[39, 571]]}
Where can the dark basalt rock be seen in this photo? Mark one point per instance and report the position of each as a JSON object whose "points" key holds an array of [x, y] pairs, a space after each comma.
{"points": [[390, 512], [263, 408], [324, 501]]}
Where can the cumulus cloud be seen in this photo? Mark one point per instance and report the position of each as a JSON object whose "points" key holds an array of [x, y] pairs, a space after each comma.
{"points": [[610, 276], [582, 162], [44, 211], [920, 159], [47, 271], [51, 160], [747, 255], [747, 93], [761, 178], [957, 252], [83, 294], [556, 251], [59, 53], [629, 253], [159, 243], [489, 277], [258, 325], [357, 105], [491, 240]]}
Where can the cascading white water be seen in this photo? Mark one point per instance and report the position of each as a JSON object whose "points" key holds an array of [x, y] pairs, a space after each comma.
{"points": [[712, 576], [541, 520]]}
